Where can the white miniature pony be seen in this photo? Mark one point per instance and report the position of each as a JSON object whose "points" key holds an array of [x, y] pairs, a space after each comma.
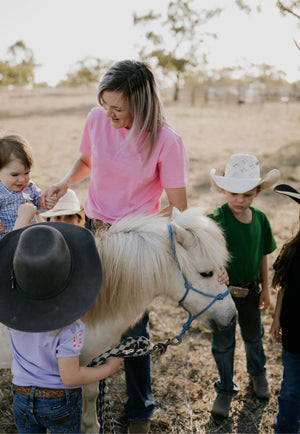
{"points": [[139, 264]]}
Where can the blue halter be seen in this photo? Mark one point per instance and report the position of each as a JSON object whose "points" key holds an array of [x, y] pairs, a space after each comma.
{"points": [[188, 286]]}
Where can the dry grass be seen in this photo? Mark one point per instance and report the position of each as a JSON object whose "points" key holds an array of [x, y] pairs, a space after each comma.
{"points": [[52, 120]]}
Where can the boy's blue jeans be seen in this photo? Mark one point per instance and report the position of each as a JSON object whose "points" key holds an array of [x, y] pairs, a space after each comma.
{"points": [[36, 415], [223, 345], [288, 416], [140, 403]]}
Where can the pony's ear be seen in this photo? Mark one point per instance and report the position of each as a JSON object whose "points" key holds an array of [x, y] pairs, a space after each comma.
{"points": [[175, 212], [182, 236]]}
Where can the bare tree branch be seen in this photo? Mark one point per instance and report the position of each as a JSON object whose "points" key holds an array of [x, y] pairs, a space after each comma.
{"points": [[286, 9], [297, 45]]}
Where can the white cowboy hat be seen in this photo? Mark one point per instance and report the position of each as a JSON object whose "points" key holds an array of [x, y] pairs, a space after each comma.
{"points": [[242, 174], [287, 190], [68, 204]]}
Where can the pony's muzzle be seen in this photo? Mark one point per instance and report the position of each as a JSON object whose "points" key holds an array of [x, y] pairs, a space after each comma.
{"points": [[217, 327]]}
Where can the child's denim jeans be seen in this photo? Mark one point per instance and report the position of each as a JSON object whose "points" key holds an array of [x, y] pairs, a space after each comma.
{"points": [[36, 415], [223, 344]]}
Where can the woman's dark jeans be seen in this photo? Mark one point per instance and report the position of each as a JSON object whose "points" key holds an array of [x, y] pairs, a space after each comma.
{"points": [[140, 403]]}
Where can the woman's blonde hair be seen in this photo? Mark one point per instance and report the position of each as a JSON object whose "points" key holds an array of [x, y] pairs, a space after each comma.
{"points": [[136, 82]]}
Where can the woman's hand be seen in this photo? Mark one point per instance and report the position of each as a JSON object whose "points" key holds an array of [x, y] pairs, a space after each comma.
{"points": [[49, 197], [223, 278], [2, 228]]}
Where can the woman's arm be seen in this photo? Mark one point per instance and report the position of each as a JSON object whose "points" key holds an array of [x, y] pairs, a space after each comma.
{"points": [[79, 171], [72, 374], [177, 197], [275, 327]]}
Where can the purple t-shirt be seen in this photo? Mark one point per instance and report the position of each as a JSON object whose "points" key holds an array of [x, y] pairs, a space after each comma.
{"points": [[35, 355], [121, 182]]}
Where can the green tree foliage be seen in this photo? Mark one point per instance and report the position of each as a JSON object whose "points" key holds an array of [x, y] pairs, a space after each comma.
{"points": [[85, 72], [176, 48], [18, 69]]}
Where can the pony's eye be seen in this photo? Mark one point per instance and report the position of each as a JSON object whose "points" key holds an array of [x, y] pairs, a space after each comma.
{"points": [[208, 274]]}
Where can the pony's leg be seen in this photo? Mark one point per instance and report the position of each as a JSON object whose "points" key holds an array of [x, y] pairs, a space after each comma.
{"points": [[5, 355], [89, 422]]}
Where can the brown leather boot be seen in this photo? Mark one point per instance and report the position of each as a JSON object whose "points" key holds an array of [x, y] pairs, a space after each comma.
{"points": [[221, 406], [260, 386]]}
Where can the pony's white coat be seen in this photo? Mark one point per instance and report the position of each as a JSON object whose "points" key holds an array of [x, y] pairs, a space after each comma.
{"points": [[138, 265]]}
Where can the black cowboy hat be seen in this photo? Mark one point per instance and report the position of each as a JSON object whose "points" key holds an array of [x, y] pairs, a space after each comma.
{"points": [[50, 275], [288, 191]]}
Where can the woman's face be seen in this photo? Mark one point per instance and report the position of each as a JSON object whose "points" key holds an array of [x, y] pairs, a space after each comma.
{"points": [[117, 109]]}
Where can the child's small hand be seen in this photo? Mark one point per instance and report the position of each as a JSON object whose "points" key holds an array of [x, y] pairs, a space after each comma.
{"points": [[223, 278], [276, 330], [114, 363], [26, 213], [50, 201], [2, 228], [264, 300]]}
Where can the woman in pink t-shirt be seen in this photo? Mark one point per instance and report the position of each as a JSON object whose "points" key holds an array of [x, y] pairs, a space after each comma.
{"points": [[131, 155]]}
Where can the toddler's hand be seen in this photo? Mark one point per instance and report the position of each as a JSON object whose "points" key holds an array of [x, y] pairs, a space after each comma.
{"points": [[2, 228], [26, 213], [50, 202]]}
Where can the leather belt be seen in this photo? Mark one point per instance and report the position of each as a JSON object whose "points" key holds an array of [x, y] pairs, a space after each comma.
{"points": [[243, 291], [99, 225], [43, 393]]}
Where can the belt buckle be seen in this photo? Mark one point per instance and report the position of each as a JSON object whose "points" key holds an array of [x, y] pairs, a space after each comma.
{"points": [[238, 291], [39, 393]]}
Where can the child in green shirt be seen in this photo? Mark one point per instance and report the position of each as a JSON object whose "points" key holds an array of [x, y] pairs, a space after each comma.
{"points": [[249, 240]]}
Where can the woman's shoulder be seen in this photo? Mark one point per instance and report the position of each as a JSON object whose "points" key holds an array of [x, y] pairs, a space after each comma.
{"points": [[96, 112], [167, 132]]}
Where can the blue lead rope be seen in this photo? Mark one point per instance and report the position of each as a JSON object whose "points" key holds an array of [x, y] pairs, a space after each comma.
{"points": [[188, 286]]}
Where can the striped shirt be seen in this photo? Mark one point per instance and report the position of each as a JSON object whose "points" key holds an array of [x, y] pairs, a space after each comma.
{"points": [[10, 202]]}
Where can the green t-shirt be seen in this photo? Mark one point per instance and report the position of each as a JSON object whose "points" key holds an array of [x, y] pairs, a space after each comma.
{"points": [[247, 243]]}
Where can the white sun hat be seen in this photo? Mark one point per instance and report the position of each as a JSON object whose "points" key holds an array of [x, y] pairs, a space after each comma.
{"points": [[242, 174], [68, 204]]}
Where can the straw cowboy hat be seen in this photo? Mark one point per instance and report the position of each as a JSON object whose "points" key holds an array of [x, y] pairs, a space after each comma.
{"points": [[50, 275], [242, 174], [287, 190], [68, 204]]}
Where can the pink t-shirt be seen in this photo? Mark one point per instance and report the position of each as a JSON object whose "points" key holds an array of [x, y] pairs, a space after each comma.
{"points": [[120, 184]]}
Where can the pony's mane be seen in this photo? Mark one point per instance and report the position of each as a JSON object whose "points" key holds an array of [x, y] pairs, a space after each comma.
{"points": [[134, 263], [136, 258], [209, 238]]}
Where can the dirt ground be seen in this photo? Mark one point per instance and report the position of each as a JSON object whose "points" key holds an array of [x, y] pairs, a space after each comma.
{"points": [[52, 120]]}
